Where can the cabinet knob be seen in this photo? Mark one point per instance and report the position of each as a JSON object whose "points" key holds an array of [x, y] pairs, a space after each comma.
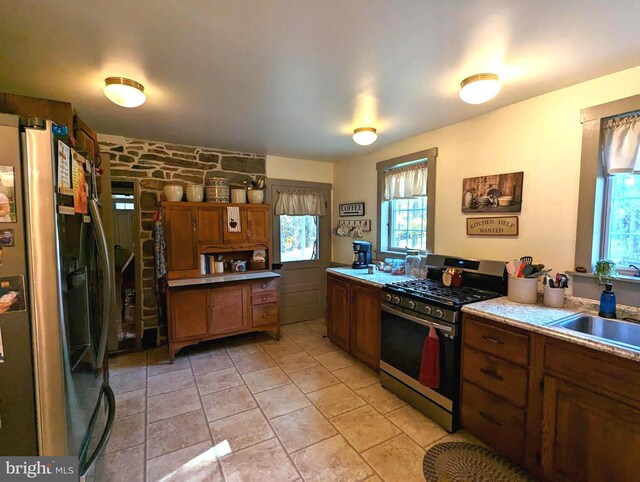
{"points": [[264, 315], [264, 286]]}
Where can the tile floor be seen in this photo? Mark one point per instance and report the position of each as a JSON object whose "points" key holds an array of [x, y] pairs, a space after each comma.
{"points": [[253, 408]]}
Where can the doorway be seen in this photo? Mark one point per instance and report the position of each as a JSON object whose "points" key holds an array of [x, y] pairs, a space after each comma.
{"points": [[125, 247], [302, 251]]}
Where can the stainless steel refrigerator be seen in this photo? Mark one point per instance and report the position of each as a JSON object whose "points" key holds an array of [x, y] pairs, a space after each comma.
{"points": [[55, 298]]}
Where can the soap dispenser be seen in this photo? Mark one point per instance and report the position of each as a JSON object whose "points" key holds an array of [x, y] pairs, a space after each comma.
{"points": [[608, 302]]}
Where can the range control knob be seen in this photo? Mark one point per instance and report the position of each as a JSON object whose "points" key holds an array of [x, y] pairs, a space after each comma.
{"points": [[388, 297], [412, 304], [427, 309], [438, 312], [396, 300]]}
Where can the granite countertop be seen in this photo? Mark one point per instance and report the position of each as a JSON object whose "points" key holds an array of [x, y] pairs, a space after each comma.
{"points": [[378, 279], [222, 278], [536, 318]]}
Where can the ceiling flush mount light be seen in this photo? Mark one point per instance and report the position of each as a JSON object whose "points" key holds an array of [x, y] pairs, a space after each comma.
{"points": [[364, 136], [479, 88], [124, 92]]}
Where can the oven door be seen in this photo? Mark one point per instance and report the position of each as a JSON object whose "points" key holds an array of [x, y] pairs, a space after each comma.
{"points": [[402, 340]]}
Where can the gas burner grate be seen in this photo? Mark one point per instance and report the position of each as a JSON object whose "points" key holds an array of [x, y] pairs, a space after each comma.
{"points": [[434, 290]]}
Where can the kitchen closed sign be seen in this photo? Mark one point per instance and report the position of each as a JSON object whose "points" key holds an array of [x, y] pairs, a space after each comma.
{"points": [[493, 226]]}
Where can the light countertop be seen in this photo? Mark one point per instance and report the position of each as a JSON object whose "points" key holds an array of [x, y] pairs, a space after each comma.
{"points": [[222, 278], [378, 279], [536, 317]]}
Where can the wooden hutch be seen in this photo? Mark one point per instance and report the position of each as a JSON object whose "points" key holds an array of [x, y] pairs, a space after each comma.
{"points": [[207, 306]]}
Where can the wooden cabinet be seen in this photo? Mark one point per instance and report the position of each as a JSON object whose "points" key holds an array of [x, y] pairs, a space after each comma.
{"points": [[353, 318], [338, 313], [210, 227], [197, 314], [182, 239], [235, 236], [86, 139], [59, 112], [258, 224], [365, 324]]}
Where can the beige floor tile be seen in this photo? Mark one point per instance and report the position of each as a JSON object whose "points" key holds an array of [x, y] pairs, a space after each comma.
{"points": [[397, 460], [263, 462], [313, 379], [303, 428], [128, 382], [129, 363], [332, 459], [460, 436], [373, 478], [241, 351], [170, 404], [319, 347], [286, 346], [122, 466], [127, 432], [266, 379], [129, 403], [335, 400], [218, 380], [197, 463], [242, 430], [305, 335], [228, 402], [380, 398], [169, 382], [420, 428], [357, 376], [176, 433], [335, 360], [206, 348], [296, 361], [282, 400], [158, 362], [210, 363], [252, 363], [365, 427]]}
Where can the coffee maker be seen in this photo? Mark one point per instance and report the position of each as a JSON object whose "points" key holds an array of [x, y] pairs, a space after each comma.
{"points": [[361, 254]]}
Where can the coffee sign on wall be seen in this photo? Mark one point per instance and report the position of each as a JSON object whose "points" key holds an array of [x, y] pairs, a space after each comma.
{"points": [[493, 226]]}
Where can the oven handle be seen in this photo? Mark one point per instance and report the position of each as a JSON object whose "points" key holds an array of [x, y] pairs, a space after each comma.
{"points": [[415, 319]]}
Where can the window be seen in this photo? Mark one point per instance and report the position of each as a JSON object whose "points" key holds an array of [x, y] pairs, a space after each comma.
{"points": [[123, 202], [621, 242], [406, 214], [298, 238]]}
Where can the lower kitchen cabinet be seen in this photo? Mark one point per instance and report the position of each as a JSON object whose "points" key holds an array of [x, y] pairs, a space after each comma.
{"points": [[198, 314], [353, 318], [563, 411]]}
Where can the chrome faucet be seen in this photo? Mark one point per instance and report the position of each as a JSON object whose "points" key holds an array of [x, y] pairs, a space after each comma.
{"points": [[636, 268]]}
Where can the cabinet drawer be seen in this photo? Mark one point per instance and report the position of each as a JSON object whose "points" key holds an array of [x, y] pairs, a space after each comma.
{"points": [[264, 297], [266, 314], [497, 341], [265, 285], [494, 421], [497, 376]]}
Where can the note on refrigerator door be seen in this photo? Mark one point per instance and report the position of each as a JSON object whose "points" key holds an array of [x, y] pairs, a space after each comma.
{"points": [[64, 169], [80, 187], [1, 348]]}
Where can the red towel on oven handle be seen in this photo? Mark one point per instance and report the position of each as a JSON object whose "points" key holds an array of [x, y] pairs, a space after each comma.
{"points": [[430, 365]]}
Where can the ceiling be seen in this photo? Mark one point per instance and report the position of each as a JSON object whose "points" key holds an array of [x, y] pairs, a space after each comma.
{"points": [[295, 77]]}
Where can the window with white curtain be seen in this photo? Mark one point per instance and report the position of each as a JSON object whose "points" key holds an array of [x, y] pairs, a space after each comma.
{"points": [[621, 159]]}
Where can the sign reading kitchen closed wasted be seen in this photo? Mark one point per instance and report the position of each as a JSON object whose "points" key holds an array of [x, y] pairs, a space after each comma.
{"points": [[493, 226]]}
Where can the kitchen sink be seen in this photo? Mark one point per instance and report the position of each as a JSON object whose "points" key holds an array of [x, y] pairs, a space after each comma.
{"points": [[617, 332]]}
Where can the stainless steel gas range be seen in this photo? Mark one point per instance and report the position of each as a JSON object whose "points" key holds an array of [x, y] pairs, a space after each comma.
{"points": [[411, 308]]}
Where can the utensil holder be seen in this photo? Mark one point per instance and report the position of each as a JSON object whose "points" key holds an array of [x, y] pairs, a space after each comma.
{"points": [[553, 297], [256, 196], [523, 290]]}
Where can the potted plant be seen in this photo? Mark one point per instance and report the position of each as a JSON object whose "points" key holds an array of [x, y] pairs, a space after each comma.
{"points": [[605, 271]]}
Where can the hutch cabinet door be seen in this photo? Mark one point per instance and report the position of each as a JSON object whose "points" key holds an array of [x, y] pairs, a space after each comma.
{"points": [[258, 228], [338, 312], [228, 308], [365, 324], [587, 436], [189, 313], [238, 236], [210, 225], [181, 236]]}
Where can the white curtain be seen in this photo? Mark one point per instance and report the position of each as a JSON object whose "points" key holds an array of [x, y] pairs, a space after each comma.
{"points": [[621, 151], [300, 203], [406, 183]]}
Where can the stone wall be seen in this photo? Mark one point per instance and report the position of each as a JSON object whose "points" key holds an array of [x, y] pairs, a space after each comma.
{"points": [[155, 164]]}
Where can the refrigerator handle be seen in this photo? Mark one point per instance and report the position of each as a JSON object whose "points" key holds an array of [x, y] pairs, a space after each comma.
{"points": [[108, 293], [111, 401]]}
